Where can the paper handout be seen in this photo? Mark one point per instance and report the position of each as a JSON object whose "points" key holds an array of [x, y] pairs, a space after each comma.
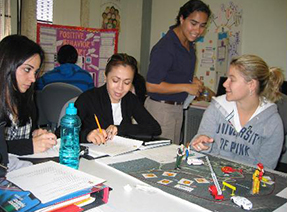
{"points": [[117, 146]]}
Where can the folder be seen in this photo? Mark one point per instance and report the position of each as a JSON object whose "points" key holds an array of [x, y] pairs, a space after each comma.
{"points": [[47, 186], [13, 198]]}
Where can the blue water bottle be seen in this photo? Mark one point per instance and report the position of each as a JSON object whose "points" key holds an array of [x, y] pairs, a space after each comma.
{"points": [[70, 146]]}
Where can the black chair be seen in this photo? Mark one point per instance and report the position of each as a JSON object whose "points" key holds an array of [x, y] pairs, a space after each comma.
{"points": [[220, 88], [52, 99]]}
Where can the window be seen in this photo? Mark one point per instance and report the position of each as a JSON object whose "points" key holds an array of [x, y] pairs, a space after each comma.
{"points": [[45, 11]]}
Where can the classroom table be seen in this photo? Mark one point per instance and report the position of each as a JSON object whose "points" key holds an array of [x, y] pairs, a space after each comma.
{"points": [[137, 199], [130, 194]]}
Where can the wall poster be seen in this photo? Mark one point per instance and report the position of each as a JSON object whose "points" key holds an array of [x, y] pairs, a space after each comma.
{"points": [[111, 11], [94, 46], [221, 42]]}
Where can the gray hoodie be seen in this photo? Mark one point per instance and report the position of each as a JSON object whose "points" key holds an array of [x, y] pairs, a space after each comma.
{"points": [[260, 140]]}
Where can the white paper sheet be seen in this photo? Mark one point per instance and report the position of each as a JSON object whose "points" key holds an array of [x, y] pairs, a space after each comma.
{"points": [[50, 180], [119, 145]]}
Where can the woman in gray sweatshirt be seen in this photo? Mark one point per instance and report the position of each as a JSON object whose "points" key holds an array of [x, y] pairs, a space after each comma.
{"points": [[244, 124]]}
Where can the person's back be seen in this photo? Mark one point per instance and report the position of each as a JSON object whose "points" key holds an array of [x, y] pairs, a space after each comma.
{"points": [[67, 72]]}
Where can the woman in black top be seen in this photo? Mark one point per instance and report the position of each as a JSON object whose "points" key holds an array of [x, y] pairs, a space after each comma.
{"points": [[114, 105], [20, 61]]}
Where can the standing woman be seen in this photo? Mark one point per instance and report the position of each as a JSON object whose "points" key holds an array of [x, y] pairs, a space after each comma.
{"points": [[244, 125], [170, 76], [20, 61], [114, 105]]}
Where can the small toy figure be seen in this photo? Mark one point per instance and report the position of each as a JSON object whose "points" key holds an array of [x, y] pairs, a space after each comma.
{"points": [[257, 177], [179, 156], [187, 148]]}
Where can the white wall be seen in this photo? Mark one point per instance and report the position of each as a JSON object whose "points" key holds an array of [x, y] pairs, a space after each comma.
{"points": [[131, 24], [14, 16], [66, 12], [95, 14], [265, 31]]}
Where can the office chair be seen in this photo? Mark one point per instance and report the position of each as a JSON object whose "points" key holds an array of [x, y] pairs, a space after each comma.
{"points": [[42, 121], [52, 99], [63, 110]]}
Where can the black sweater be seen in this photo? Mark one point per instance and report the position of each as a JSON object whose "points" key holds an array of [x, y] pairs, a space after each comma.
{"points": [[3, 151], [23, 146], [97, 101]]}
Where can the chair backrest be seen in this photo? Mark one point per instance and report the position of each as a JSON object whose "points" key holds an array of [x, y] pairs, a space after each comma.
{"points": [[63, 111], [282, 105], [42, 121], [53, 98]]}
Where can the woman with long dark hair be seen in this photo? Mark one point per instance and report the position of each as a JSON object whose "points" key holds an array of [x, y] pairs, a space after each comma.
{"points": [[20, 61]]}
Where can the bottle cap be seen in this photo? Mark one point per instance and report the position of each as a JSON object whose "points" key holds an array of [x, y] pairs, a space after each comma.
{"points": [[71, 110]]}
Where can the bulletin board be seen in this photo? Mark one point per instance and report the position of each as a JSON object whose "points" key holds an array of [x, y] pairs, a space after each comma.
{"points": [[94, 46]]}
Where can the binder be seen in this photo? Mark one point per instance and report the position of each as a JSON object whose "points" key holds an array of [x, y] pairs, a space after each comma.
{"points": [[13, 198], [49, 185]]}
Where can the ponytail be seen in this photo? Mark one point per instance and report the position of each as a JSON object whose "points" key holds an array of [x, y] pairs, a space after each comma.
{"points": [[273, 85]]}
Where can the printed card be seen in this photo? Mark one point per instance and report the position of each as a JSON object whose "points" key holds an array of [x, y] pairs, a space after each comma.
{"points": [[165, 181], [169, 174], [201, 180], [267, 180], [186, 182], [182, 187], [149, 175]]}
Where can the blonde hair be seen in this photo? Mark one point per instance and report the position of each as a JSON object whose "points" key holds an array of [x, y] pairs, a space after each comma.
{"points": [[269, 79]]}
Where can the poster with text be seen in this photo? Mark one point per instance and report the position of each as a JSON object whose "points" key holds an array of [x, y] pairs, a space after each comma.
{"points": [[94, 46]]}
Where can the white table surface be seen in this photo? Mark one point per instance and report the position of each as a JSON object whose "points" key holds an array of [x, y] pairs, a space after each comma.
{"points": [[138, 199]]}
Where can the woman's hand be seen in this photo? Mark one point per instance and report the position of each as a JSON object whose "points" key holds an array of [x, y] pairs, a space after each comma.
{"points": [[112, 130], [96, 137], [199, 142], [39, 132], [101, 138], [194, 88], [43, 140]]}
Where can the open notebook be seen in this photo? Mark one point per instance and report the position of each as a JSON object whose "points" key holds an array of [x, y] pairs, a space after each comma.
{"points": [[121, 145], [117, 146]]}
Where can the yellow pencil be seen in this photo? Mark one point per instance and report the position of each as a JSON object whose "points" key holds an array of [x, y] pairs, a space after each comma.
{"points": [[98, 123]]}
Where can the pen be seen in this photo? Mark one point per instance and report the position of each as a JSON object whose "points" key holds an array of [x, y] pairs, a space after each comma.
{"points": [[4, 167], [98, 123]]}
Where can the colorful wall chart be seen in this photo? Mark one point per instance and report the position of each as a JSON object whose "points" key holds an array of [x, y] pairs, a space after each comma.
{"points": [[94, 46], [221, 42]]}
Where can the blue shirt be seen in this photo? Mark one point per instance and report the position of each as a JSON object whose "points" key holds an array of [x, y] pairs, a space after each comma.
{"points": [[172, 63], [67, 73]]}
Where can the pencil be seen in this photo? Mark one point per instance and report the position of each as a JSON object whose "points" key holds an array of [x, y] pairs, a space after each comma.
{"points": [[98, 123]]}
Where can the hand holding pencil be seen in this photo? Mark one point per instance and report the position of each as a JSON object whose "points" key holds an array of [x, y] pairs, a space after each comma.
{"points": [[101, 136]]}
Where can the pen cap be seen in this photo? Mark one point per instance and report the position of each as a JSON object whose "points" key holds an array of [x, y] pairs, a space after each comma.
{"points": [[71, 110]]}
